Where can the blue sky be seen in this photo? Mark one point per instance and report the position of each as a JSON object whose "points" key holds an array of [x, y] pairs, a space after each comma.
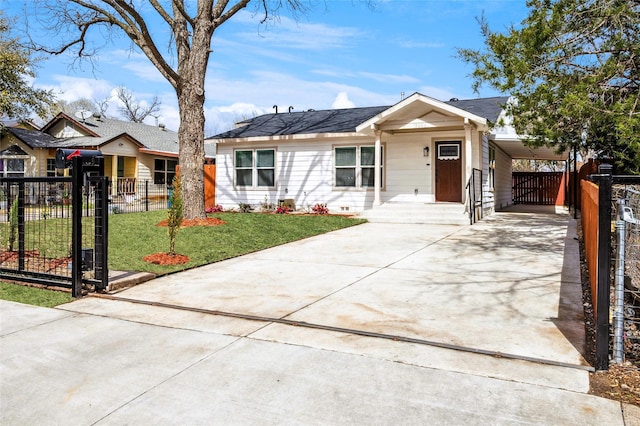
{"points": [[340, 54]]}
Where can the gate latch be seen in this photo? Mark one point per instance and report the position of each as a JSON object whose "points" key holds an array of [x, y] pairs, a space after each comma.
{"points": [[627, 215]]}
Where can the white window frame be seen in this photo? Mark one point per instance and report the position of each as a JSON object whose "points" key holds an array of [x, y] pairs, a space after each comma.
{"points": [[449, 145], [5, 166], [255, 168], [358, 168]]}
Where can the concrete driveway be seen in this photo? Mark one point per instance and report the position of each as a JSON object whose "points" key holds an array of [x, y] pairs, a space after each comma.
{"points": [[375, 324]]}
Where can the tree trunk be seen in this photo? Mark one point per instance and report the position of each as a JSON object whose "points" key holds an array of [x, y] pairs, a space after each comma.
{"points": [[191, 140], [192, 68]]}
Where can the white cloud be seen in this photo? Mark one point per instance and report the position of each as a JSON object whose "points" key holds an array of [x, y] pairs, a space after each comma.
{"points": [[73, 88], [342, 101]]}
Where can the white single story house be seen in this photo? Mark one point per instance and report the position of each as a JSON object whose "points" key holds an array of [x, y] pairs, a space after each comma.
{"points": [[418, 151]]}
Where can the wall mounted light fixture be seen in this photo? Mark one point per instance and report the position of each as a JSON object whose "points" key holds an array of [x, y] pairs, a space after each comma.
{"points": [[425, 151]]}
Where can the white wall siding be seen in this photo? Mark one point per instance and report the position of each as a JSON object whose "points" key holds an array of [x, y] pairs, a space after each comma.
{"points": [[407, 176], [488, 193], [503, 180], [304, 173]]}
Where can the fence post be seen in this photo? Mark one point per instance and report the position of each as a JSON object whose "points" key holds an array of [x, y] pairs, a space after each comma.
{"points": [[101, 213], [76, 228], [604, 180], [146, 195], [20, 214], [618, 306]]}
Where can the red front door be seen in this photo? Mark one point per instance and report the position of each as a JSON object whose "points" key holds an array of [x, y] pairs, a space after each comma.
{"points": [[448, 172]]}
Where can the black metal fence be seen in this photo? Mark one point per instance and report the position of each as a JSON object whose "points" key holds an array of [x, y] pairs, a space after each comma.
{"points": [[128, 195], [54, 231], [618, 301]]}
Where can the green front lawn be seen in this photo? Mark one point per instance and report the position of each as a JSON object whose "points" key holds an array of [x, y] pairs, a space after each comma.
{"points": [[33, 296], [133, 236]]}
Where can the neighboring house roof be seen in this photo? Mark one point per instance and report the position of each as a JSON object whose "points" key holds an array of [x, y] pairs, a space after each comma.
{"points": [[25, 124], [154, 138], [347, 120], [100, 130], [13, 150], [33, 138]]}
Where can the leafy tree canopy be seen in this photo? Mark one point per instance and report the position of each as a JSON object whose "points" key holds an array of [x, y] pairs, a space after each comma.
{"points": [[18, 98], [572, 68]]}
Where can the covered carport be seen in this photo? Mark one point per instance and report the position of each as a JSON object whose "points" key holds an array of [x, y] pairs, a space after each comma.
{"points": [[535, 187]]}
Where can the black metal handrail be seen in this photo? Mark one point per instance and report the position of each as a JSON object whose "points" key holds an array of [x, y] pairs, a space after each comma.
{"points": [[474, 195]]}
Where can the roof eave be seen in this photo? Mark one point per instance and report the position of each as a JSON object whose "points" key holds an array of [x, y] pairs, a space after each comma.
{"points": [[280, 138]]}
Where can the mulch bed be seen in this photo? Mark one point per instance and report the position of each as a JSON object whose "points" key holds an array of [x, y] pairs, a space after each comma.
{"points": [[179, 259], [35, 262], [166, 259]]}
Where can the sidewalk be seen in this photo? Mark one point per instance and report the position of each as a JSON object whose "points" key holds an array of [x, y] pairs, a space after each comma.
{"points": [[451, 295]]}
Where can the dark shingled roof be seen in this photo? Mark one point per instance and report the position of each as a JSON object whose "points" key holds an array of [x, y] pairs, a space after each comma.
{"points": [[307, 122], [488, 108], [341, 120], [13, 150], [33, 138]]}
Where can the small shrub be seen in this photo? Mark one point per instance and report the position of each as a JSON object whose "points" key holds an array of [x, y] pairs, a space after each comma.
{"points": [[174, 215], [320, 209], [116, 210], [282, 209], [266, 206], [215, 209], [13, 223], [245, 208]]}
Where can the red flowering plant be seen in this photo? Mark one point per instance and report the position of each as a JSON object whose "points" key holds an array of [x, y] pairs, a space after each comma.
{"points": [[215, 209], [320, 209], [282, 209]]}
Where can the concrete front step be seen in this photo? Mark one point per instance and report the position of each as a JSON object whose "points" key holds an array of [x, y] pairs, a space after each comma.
{"points": [[429, 213]]}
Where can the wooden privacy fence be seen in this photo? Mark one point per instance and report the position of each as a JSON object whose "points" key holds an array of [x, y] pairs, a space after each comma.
{"points": [[209, 185], [596, 229], [589, 214], [538, 188]]}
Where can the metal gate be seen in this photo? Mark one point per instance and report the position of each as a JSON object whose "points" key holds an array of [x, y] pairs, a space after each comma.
{"points": [[54, 231], [538, 188]]}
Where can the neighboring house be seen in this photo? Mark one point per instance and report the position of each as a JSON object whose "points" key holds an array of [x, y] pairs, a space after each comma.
{"points": [[133, 152], [420, 150]]}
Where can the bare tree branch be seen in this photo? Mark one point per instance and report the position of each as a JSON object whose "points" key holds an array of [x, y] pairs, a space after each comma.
{"points": [[133, 110]]}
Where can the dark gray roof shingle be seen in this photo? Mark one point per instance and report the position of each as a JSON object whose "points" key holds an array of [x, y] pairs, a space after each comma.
{"points": [[307, 122], [33, 138], [489, 108], [341, 120]]}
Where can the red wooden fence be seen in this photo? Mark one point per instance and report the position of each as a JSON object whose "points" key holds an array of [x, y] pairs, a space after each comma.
{"points": [[589, 215], [538, 188]]}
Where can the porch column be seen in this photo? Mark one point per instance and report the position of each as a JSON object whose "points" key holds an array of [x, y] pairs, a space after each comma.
{"points": [[377, 178], [468, 150], [114, 175]]}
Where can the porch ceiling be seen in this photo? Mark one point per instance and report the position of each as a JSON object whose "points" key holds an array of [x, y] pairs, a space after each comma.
{"points": [[516, 149]]}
